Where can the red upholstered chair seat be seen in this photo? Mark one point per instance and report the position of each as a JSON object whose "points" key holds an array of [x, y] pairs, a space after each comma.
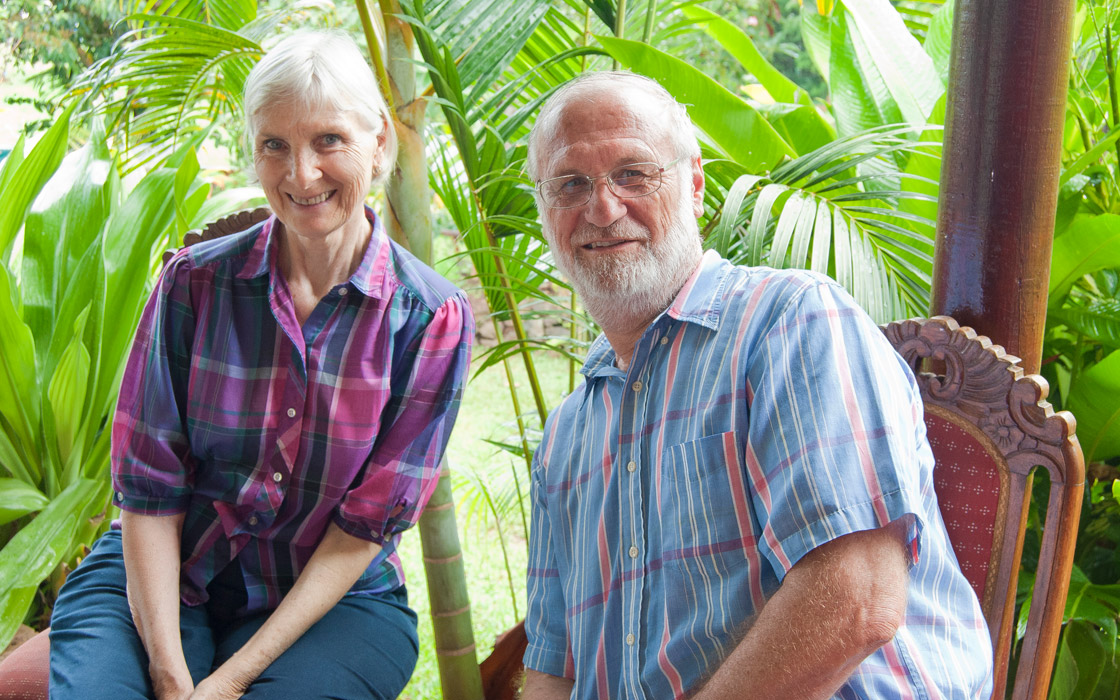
{"points": [[25, 672]]}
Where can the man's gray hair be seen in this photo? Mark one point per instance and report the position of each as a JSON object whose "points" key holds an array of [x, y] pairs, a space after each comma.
{"points": [[320, 69], [677, 124]]}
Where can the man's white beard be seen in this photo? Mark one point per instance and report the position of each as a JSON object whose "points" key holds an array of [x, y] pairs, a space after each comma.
{"points": [[620, 291]]}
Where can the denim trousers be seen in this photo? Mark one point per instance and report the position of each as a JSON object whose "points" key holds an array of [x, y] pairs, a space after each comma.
{"points": [[364, 647]]}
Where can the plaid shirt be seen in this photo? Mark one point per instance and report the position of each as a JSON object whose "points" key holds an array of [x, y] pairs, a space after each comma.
{"points": [[762, 415], [263, 432]]}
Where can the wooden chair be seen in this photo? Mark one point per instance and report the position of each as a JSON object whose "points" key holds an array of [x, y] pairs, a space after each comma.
{"points": [[990, 426]]}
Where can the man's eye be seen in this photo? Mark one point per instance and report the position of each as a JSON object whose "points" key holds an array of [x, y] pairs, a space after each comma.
{"points": [[572, 185], [272, 144], [332, 139], [629, 178]]}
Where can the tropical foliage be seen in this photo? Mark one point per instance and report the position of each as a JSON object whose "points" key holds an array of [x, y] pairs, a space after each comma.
{"points": [[1082, 347], [830, 163], [76, 255]]}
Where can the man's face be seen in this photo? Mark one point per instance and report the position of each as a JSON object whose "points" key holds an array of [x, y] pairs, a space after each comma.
{"points": [[633, 252]]}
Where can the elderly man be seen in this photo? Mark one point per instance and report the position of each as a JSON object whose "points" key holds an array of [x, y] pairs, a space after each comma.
{"points": [[738, 501]]}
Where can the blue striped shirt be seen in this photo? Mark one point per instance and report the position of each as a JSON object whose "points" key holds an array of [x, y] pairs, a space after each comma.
{"points": [[762, 415]]}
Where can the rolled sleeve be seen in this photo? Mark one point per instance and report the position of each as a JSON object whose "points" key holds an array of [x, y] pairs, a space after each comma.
{"points": [[403, 470], [836, 430], [150, 456]]}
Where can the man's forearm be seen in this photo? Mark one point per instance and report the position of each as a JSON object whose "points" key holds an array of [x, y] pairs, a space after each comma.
{"points": [[151, 559], [836, 606], [337, 563], [542, 686]]}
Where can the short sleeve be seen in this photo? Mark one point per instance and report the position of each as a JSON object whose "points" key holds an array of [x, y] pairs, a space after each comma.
{"points": [[836, 440], [428, 375], [545, 618], [150, 456]]}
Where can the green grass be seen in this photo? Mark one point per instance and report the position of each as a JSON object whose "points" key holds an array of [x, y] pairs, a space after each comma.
{"points": [[486, 413]]}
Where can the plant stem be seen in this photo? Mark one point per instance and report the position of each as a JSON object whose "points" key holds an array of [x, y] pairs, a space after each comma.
{"points": [[520, 503], [514, 400], [1110, 70], [505, 552], [373, 43], [651, 12], [619, 27]]}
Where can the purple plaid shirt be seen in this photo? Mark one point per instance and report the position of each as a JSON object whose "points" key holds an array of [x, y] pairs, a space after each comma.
{"points": [[263, 432]]}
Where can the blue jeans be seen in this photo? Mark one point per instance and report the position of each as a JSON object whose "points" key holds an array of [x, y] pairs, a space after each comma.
{"points": [[364, 647]]}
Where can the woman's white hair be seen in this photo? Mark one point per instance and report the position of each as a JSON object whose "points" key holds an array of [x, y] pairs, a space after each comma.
{"points": [[677, 124], [320, 69]]}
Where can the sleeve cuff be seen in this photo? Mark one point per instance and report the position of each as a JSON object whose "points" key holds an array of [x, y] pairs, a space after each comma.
{"points": [[856, 518], [150, 505], [545, 660]]}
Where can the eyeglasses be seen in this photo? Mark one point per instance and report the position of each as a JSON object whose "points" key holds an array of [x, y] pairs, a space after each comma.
{"points": [[628, 181]]}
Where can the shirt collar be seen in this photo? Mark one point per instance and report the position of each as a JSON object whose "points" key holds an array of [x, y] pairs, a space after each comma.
{"points": [[699, 301], [367, 279]]}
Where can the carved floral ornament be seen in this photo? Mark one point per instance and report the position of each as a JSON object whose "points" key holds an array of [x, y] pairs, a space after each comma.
{"points": [[980, 380]]}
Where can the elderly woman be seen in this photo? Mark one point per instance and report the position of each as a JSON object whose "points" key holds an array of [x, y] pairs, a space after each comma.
{"points": [[281, 419]]}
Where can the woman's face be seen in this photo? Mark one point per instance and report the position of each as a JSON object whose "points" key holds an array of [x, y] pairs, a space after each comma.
{"points": [[315, 167]]}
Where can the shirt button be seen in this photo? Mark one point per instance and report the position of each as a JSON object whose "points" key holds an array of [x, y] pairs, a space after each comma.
{"points": [[253, 520], [631, 466], [664, 340], [291, 413], [630, 640], [343, 292], [636, 386], [120, 496], [277, 477], [633, 552]]}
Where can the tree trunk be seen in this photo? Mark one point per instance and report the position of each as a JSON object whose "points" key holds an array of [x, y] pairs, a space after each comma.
{"points": [[407, 219]]}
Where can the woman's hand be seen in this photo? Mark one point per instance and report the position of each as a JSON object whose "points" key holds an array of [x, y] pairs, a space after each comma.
{"points": [[170, 685], [218, 687]]}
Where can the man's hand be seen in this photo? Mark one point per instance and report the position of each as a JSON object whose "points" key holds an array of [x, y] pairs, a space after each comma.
{"points": [[542, 686], [836, 606]]}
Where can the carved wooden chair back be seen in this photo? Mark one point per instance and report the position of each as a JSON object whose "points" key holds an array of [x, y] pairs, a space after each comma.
{"points": [[990, 427], [238, 221]]}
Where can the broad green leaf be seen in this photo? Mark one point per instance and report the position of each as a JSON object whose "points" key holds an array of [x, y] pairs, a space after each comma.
{"points": [[20, 191], [1089, 157], [816, 35], [801, 126], [34, 552], [739, 45], [1091, 243], [739, 130], [1094, 403], [939, 39], [1098, 320], [19, 399], [62, 224], [905, 69], [67, 390], [13, 608], [11, 162], [18, 498]]}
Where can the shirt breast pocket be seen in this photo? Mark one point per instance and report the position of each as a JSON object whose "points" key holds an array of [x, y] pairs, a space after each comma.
{"points": [[706, 513]]}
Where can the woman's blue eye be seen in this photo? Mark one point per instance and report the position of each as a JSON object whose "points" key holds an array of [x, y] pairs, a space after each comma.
{"points": [[332, 139], [272, 144]]}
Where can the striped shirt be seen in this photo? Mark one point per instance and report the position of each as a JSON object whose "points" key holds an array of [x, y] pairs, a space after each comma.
{"points": [[263, 432], [762, 415]]}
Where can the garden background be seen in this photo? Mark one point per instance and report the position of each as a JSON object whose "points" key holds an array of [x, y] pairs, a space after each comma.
{"points": [[821, 133]]}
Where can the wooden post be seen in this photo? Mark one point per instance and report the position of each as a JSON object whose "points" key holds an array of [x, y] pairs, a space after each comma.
{"points": [[1009, 72]]}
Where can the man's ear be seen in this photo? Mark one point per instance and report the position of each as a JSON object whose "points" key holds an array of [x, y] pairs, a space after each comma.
{"points": [[697, 187]]}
